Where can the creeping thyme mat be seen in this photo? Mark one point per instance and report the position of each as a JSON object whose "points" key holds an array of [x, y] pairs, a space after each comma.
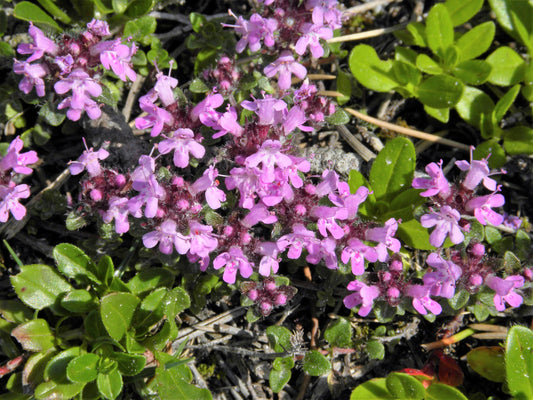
{"points": [[201, 204]]}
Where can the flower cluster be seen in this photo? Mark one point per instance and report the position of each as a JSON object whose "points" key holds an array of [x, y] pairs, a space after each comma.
{"points": [[73, 66], [12, 164]]}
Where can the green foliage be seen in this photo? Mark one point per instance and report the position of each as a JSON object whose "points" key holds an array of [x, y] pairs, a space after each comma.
{"points": [[103, 328], [316, 364], [446, 72], [519, 362]]}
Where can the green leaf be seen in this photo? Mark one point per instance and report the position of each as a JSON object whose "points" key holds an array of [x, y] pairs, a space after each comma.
{"points": [[316, 364], [403, 386], [440, 391], [517, 140], [198, 86], [339, 117], [507, 67], [110, 384], [159, 341], [488, 361], [34, 335], [440, 91], [116, 311], [375, 350], [339, 333], [374, 389], [522, 244], [522, 9], [149, 279], [83, 368], [151, 310], [369, 70], [197, 20], [94, 327], [440, 114], [74, 263], [497, 153], [405, 55], [177, 301], [473, 104], [57, 390], [519, 362], [15, 311], [51, 116], [137, 8], [78, 301], [439, 29], [140, 29], [30, 12], [403, 206], [461, 11], [414, 235], [418, 33], [129, 364], [39, 286], [49, 6], [119, 6], [476, 41], [426, 64], [459, 300], [280, 373], [393, 169], [56, 368], [279, 338], [105, 270], [344, 86], [505, 102], [473, 72]]}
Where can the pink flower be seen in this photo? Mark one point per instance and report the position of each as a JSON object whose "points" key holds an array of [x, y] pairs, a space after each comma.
{"points": [[208, 183], [482, 207], [268, 156], [163, 87], [442, 281], [118, 211], [157, 117], [33, 74], [41, 44], [202, 242], [446, 222], [296, 241], [385, 239], [234, 260], [504, 289], [17, 161], [270, 110], [478, 170], [99, 28], [436, 185], [421, 300], [269, 264], [364, 295], [9, 201], [82, 86], [116, 56], [183, 143], [327, 220], [311, 38], [167, 237], [356, 252], [88, 160], [286, 66]]}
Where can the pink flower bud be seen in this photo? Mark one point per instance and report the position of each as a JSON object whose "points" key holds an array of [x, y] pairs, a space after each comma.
{"points": [[178, 181], [281, 299], [396, 265], [476, 280], [478, 250], [253, 294], [228, 230], [196, 208], [266, 307], [246, 238], [96, 194], [120, 180], [270, 286], [393, 293], [160, 213], [183, 204], [387, 276], [310, 189], [528, 274]]}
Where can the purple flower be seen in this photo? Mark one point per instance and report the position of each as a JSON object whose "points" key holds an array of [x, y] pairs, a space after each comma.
{"points": [[478, 170], [227, 122], [82, 86], [253, 31], [275, 192], [296, 241], [446, 222], [325, 12], [88, 160], [205, 110], [286, 66], [482, 207], [421, 300], [65, 63], [330, 182], [311, 38], [269, 263], [41, 44], [327, 220], [116, 56], [167, 237], [234, 260], [202, 242], [364, 295], [350, 202], [247, 181], [436, 185], [271, 111], [10, 196], [323, 250], [33, 74], [295, 118], [157, 117], [183, 143], [118, 210], [99, 28], [268, 156], [17, 161], [504, 289], [150, 192], [385, 239], [356, 252], [163, 87], [208, 183], [259, 213], [442, 281]]}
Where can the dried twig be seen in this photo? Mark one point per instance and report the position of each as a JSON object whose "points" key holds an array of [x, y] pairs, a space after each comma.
{"points": [[366, 34]]}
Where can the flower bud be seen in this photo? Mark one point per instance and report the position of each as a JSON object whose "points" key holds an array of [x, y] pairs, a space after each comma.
{"points": [[280, 300], [266, 307], [96, 194], [253, 294], [476, 280], [120, 180], [478, 250]]}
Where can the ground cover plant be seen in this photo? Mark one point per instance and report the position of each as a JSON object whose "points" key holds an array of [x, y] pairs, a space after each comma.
{"points": [[196, 202]]}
